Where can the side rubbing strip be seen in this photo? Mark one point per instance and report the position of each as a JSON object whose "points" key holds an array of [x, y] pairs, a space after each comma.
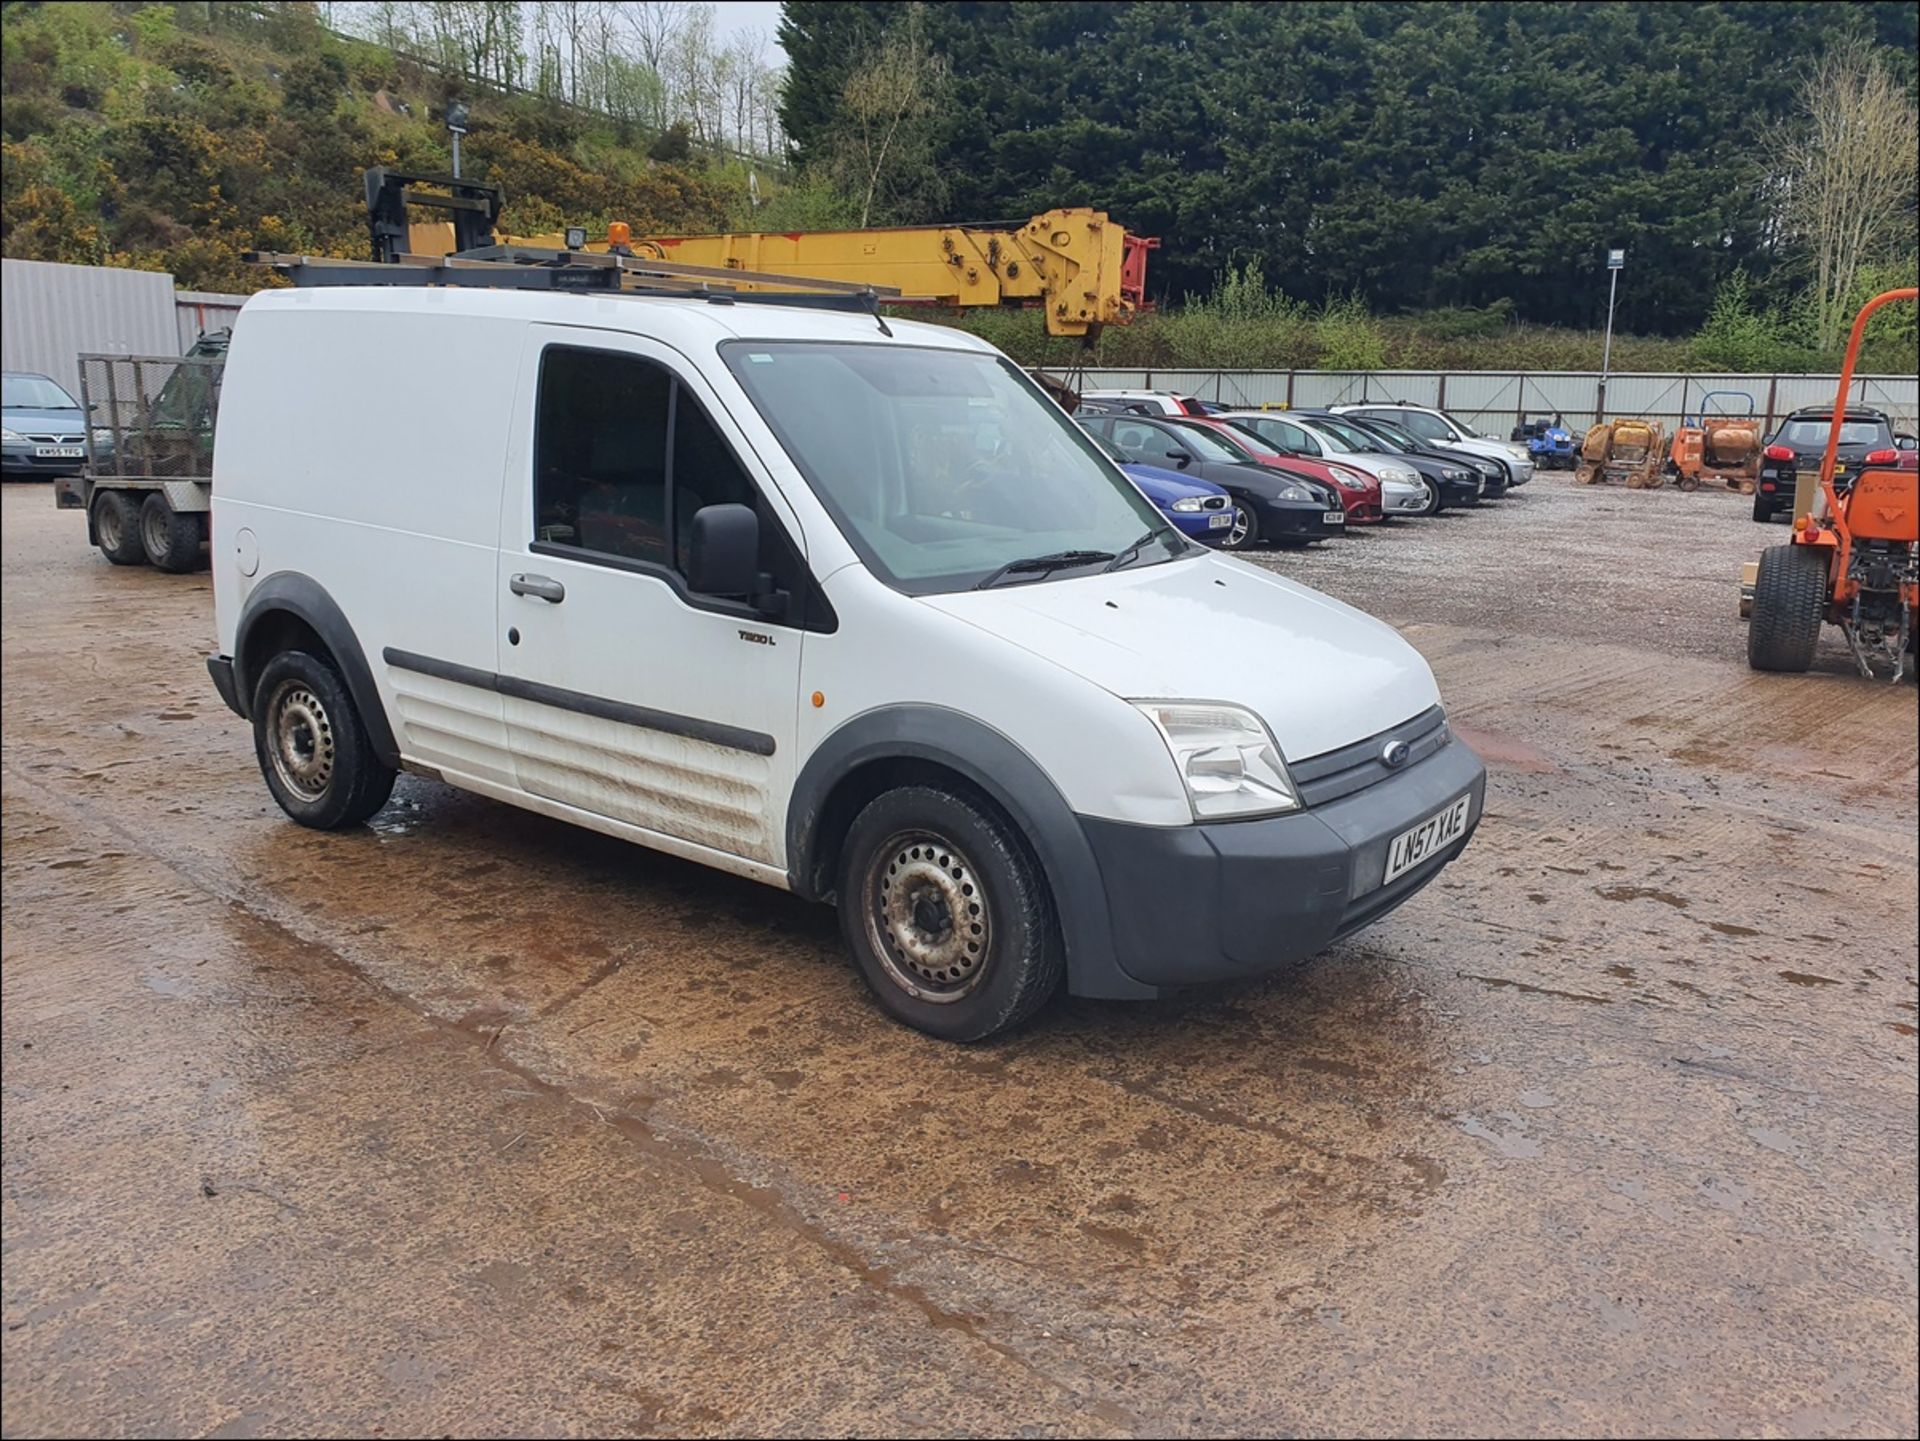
{"points": [[712, 732]]}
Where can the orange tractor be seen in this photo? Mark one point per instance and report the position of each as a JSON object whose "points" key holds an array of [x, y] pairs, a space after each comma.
{"points": [[1717, 445], [1854, 560]]}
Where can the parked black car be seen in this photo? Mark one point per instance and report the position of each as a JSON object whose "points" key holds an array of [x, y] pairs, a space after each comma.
{"points": [[1801, 443], [1272, 505], [1461, 482]]}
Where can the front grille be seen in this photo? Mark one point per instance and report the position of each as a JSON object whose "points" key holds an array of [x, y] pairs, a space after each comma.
{"points": [[1214, 502], [54, 439], [1353, 768]]}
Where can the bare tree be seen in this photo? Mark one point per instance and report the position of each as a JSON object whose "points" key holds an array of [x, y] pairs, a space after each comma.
{"points": [[890, 101], [1846, 167], [652, 28]]}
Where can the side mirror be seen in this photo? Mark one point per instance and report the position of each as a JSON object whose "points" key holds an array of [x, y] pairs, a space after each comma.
{"points": [[1906, 442], [723, 555], [1180, 458]]}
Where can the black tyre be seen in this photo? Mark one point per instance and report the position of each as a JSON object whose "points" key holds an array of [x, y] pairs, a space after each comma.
{"points": [[170, 539], [116, 527], [1789, 607], [1762, 509], [1433, 504], [313, 749], [947, 915], [1244, 534]]}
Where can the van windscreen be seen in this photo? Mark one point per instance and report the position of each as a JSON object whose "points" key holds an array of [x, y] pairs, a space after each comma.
{"points": [[942, 467]]}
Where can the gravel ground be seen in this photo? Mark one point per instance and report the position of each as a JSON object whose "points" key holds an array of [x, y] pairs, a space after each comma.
{"points": [[1657, 568], [471, 1122]]}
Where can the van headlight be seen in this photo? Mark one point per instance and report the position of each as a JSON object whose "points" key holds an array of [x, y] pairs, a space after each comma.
{"points": [[1227, 758]]}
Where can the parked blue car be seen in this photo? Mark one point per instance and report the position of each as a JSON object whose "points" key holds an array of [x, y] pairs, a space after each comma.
{"points": [[1199, 509], [1550, 444]]}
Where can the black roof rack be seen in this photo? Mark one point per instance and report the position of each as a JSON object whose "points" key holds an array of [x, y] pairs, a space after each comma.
{"points": [[523, 267]]}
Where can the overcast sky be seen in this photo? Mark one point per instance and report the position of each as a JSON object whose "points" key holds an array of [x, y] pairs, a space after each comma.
{"points": [[731, 17]]}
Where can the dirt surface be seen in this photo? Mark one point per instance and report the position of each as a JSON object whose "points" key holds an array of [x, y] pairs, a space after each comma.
{"points": [[473, 1122]]}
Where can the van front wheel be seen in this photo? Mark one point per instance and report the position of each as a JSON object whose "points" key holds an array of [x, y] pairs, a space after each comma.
{"points": [[947, 915], [313, 749]]}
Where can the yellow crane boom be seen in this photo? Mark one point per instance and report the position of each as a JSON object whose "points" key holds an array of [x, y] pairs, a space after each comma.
{"points": [[1076, 264]]}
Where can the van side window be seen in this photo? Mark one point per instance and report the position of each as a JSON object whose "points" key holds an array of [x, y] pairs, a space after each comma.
{"points": [[600, 453], [705, 472]]}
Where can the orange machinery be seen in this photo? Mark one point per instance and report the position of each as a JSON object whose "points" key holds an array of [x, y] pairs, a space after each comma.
{"points": [[1854, 559]]}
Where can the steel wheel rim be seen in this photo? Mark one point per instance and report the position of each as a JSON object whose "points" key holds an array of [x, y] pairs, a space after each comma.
{"points": [[927, 917], [153, 530], [300, 740], [108, 524]]}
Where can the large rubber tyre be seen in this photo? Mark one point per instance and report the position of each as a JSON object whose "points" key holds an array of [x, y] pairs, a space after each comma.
{"points": [[312, 747], [116, 526], [1762, 509], [948, 915], [170, 539], [1245, 532], [1789, 607]]}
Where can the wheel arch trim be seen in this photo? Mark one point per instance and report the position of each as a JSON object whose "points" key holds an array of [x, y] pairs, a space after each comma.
{"points": [[1004, 772], [305, 599]]}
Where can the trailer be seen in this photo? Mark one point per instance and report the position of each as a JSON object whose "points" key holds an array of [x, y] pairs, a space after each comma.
{"points": [[147, 488]]}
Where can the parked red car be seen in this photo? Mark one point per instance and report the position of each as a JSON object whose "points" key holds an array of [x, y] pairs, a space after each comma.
{"points": [[1359, 492]]}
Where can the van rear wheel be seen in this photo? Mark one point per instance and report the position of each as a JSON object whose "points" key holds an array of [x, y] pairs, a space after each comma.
{"points": [[947, 915], [311, 745]]}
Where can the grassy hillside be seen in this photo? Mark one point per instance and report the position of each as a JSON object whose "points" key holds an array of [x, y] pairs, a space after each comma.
{"points": [[174, 138]]}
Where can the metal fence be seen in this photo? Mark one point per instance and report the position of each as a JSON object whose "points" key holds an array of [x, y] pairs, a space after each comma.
{"points": [[196, 312], [1496, 401], [152, 415], [50, 314]]}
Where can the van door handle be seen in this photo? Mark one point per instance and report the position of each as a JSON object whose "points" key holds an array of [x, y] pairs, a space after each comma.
{"points": [[539, 587]]}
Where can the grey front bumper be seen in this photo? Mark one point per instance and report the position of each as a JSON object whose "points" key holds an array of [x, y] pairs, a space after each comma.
{"points": [[1191, 904]]}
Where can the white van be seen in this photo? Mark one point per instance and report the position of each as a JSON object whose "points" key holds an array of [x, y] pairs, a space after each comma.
{"points": [[849, 609]]}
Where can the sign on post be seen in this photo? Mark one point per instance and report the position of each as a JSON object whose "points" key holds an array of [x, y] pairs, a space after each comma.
{"points": [[1616, 259]]}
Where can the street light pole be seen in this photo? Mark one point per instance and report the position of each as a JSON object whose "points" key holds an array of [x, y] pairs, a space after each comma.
{"points": [[1616, 261], [456, 127]]}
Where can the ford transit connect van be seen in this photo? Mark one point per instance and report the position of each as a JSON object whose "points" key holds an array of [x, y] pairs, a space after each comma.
{"points": [[845, 607]]}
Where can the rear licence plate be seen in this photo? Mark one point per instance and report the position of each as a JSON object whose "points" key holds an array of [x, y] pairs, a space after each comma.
{"points": [[1409, 848], [1334, 517], [1221, 521], [57, 452]]}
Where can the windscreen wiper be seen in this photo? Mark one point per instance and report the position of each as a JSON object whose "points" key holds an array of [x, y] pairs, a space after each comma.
{"points": [[1041, 564], [1132, 552]]}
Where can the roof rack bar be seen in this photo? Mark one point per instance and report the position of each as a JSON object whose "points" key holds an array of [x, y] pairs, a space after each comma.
{"points": [[421, 272], [647, 265]]}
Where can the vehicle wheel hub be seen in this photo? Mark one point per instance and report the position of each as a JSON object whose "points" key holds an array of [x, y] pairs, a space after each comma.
{"points": [[301, 738], [928, 917]]}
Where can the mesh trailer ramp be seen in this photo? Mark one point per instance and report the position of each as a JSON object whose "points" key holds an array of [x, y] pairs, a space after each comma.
{"points": [[148, 484]]}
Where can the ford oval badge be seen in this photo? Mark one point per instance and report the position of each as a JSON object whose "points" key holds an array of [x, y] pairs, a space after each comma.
{"points": [[1395, 754]]}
